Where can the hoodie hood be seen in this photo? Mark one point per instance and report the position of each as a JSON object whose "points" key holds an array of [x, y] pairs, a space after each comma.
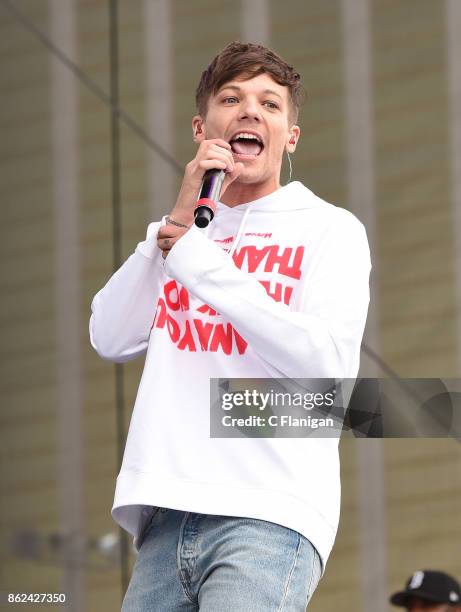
{"points": [[293, 196], [288, 198]]}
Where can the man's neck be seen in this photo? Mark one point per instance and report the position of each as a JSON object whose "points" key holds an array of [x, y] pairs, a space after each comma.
{"points": [[241, 193]]}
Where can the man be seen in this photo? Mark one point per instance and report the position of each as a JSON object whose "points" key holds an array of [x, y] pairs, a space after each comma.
{"points": [[277, 287], [431, 591]]}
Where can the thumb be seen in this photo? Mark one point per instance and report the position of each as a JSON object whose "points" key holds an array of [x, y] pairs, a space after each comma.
{"points": [[231, 176]]}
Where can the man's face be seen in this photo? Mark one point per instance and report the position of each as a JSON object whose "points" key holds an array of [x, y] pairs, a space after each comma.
{"points": [[416, 604], [257, 105]]}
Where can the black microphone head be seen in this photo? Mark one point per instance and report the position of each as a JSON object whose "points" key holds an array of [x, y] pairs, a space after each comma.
{"points": [[203, 215], [201, 222]]}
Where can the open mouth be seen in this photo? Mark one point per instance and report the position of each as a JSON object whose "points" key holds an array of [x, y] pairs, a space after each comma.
{"points": [[246, 146]]}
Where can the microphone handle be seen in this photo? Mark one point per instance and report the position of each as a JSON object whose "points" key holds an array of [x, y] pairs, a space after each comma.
{"points": [[209, 195]]}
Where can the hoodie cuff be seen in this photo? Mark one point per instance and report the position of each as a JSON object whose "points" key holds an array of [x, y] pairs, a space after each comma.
{"points": [[193, 256], [149, 247]]}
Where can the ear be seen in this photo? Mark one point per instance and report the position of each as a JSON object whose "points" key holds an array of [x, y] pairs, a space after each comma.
{"points": [[198, 131], [293, 138]]}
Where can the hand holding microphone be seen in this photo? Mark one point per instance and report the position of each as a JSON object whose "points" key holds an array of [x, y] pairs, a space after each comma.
{"points": [[214, 155]]}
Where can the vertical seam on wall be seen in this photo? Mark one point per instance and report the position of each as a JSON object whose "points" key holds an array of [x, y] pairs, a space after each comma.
{"points": [[255, 21], [66, 200], [360, 147], [453, 26], [159, 105]]}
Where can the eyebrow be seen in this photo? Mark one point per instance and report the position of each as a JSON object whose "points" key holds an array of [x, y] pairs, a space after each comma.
{"points": [[266, 91]]}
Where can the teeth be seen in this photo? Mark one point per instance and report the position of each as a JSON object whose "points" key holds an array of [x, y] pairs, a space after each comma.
{"points": [[246, 135]]}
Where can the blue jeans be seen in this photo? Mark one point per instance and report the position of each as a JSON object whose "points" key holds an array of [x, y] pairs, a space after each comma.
{"points": [[189, 561]]}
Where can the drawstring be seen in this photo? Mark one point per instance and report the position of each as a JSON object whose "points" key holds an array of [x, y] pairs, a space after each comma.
{"points": [[240, 231]]}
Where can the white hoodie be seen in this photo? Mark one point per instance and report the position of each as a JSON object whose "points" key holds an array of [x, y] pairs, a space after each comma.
{"points": [[289, 299]]}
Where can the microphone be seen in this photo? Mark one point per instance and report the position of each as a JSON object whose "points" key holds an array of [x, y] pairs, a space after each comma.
{"points": [[209, 195]]}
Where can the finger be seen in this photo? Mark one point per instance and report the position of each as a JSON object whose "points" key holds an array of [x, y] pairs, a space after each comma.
{"points": [[168, 231], [231, 176], [216, 152], [165, 243], [226, 152], [208, 164], [221, 143], [165, 251], [238, 168]]}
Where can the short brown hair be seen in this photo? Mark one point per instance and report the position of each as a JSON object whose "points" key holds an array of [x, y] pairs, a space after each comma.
{"points": [[248, 60]]}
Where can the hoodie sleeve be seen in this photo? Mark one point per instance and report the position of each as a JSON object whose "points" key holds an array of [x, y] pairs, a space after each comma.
{"points": [[323, 337], [124, 309]]}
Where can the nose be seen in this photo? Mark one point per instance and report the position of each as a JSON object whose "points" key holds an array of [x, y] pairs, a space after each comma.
{"points": [[249, 109]]}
